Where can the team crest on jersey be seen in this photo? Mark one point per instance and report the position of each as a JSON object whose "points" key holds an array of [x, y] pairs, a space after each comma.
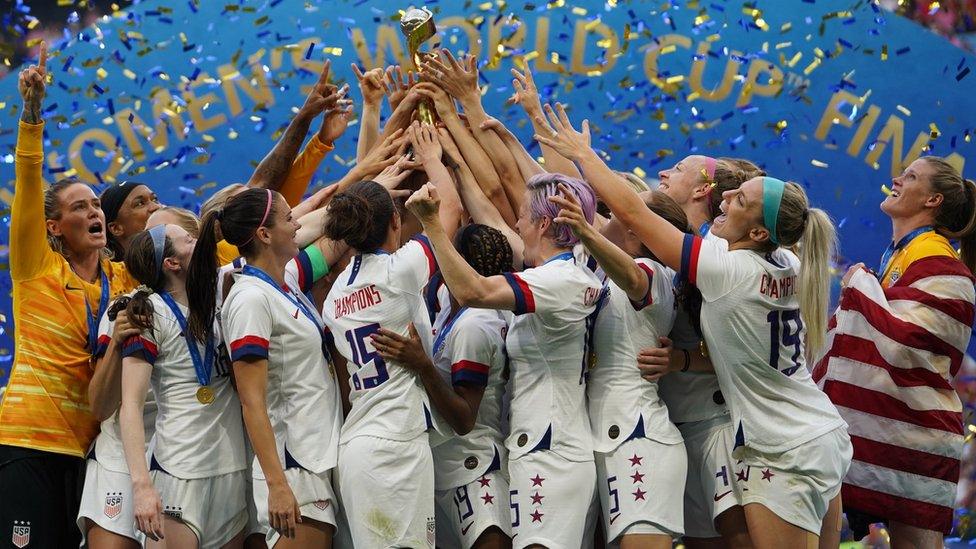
{"points": [[430, 531], [175, 512], [321, 504], [895, 275], [113, 505], [21, 535]]}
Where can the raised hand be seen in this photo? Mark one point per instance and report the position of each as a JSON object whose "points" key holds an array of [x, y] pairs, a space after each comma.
{"points": [[394, 174], [443, 103], [425, 143], [425, 204], [32, 85], [562, 137], [323, 95], [526, 92], [370, 84], [382, 155], [396, 86], [459, 80], [571, 213], [336, 121]]}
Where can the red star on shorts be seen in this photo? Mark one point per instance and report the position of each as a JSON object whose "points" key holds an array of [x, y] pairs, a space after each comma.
{"points": [[536, 516], [768, 475], [638, 477], [537, 498], [485, 481], [635, 461], [742, 475], [639, 494], [488, 498], [537, 480]]}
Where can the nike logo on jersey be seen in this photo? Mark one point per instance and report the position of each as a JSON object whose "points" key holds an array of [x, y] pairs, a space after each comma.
{"points": [[68, 287], [718, 497], [615, 517], [295, 316], [464, 530]]}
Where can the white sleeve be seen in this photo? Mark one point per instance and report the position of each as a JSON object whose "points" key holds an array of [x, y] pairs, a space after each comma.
{"points": [[105, 328], [413, 264], [473, 352], [246, 322], [540, 290], [710, 266]]}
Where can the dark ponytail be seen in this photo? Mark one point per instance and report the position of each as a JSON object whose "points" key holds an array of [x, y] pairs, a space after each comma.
{"points": [[360, 216], [485, 248], [140, 261], [237, 222]]}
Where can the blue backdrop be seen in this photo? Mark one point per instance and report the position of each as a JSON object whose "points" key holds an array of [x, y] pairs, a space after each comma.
{"points": [[838, 95]]}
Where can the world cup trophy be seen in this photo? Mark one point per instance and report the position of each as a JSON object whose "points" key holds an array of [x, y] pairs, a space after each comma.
{"points": [[417, 24]]}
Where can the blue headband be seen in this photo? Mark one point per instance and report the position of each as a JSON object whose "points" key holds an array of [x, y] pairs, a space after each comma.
{"points": [[158, 234], [772, 198]]}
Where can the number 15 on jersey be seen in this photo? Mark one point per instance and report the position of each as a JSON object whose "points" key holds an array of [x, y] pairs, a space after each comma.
{"points": [[372, 369]]}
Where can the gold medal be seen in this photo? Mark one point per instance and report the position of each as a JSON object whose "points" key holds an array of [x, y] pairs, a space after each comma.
{"points": [[205, 395]]}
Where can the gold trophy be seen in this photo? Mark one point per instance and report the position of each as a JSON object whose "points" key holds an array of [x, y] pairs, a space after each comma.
{"points": [[417, 24]]}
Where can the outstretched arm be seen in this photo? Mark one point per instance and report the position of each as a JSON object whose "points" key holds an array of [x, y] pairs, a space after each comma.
{"points": [[660, 236], [467, 286], [527, 95], [274, 168], [428, 149], [526, 163], [371, 86]]}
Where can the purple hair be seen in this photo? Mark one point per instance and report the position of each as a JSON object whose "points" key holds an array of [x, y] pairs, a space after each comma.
{"points": [[544, 185]]}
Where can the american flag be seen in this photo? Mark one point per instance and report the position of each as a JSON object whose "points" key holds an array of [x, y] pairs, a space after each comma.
{"points": [[890, 358]]}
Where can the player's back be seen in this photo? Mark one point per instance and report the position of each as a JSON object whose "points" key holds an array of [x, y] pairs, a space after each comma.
{"points": [[381, 290]]}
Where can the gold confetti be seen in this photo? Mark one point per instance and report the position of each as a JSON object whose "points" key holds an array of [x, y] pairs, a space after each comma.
{"points": [[934, 132], [885, 190], [639, 172], [884, 52], [903, 110], [814, 64], [818, 164], [579, 11]]}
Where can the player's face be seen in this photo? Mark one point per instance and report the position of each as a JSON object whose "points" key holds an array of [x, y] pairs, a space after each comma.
{"points": [[741, 212], [530, 230], [681, 181], [135, 212], [82, 223], [909, 191], [183, 244], [284, 230]]}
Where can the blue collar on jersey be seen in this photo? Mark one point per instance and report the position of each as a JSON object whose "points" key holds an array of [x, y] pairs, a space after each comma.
{"points": [[703, 230], [446, 329], [565, 256], [894, 247]]}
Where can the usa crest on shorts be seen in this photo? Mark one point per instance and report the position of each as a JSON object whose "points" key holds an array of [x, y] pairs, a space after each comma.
{"points": [[21, 534], [113, 504]]}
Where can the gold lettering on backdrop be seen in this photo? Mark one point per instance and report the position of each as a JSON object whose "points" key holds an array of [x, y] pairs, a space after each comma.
{"points": [[666, 44], [722, 90], [773, 85], [386, 38], [129, 123], [473, 35], [196, 105], [544, 63], [866, 124], [101, 137], [495, 39], [832, 114], [893, 132], [610, 43], [256, 87]]}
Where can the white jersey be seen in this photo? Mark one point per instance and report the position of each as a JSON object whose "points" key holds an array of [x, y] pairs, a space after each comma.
{"points": [[622, 405], [262, 320], [193, 440], [469, 349], [751, 323], [691, 396], [547, 351], [382, 290], [107, 449]]}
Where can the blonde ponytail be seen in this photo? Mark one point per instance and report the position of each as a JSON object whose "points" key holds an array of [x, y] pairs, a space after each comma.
{"points": [[817, 249]]}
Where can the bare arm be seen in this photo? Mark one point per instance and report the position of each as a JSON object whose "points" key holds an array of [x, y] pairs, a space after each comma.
{"points": [[526, 162], [371, 86], [655, 362], [274, 168], [475, 202], [148, 505], [619, 266], [467, 286], [105, 387], [461, 82], [429, 150], [527, 95], [457, 405], [661, 237]]}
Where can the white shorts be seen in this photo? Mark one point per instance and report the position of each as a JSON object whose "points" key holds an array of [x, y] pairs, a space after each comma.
{"points": [[712, 471], [213, 507], [465, 512], [386, 490], [798, 484], [314, 493], [107, 501], [639, 483], [550, 499]]}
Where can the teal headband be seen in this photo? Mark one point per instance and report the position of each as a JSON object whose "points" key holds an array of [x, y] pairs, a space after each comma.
{"points": [[772, 198]]}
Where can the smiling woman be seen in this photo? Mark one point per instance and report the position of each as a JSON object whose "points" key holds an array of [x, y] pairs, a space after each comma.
{"points": [[59, 293], [127, 207]]}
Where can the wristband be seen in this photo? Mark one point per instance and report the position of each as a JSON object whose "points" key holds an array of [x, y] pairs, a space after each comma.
{"points": [[687, 360]]}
